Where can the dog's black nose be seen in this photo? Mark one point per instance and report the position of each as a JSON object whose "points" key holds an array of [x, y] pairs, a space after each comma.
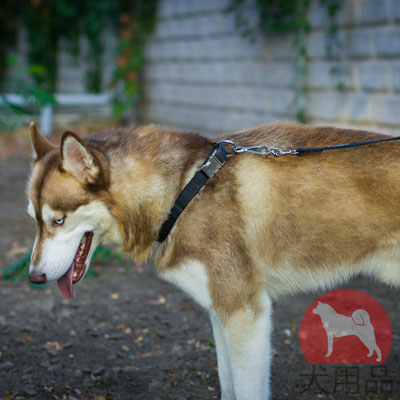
{"points": [[37, 277]]}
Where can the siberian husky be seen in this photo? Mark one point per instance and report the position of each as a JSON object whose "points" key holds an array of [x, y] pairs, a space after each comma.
{"points": [[262, 226]]}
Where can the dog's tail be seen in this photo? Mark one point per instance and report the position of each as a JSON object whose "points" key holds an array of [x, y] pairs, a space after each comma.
{"points": [[361, 317]]}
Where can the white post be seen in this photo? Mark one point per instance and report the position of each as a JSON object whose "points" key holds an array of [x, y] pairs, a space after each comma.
{"points": [[46, 119]]}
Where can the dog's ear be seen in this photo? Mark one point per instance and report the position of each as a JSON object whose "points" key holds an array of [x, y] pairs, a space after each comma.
{"points": [[78, 160], [40, 144]]}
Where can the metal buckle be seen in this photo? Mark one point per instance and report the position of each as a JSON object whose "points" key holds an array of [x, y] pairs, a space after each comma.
{"points": [[215, 161]]}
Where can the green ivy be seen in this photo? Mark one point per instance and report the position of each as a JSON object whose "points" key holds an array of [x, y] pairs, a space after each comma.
{"points": [[47, 22], [19, 270], [34, 97], [8, 32], [134, 29]]}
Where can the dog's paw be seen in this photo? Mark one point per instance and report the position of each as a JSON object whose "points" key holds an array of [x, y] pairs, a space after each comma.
{"points": [[328, 355]]}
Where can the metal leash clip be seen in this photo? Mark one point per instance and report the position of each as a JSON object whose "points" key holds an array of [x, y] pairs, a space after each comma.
{"points": [[279, 152], [261, 150]]}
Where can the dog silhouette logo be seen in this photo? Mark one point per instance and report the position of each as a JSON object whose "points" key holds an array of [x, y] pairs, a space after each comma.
{"points": [[338, 325], [345, 326]]}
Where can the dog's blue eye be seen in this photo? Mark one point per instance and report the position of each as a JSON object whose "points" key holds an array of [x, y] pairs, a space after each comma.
{"points": [[59, 221]]}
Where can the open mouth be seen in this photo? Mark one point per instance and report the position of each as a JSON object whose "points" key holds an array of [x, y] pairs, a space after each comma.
{"points": [[78, 267]]}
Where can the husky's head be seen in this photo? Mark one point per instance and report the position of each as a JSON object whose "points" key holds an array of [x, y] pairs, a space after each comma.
{"points": [[68, 201]]}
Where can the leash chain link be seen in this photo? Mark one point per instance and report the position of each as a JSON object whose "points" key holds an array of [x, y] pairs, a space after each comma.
{"points": [[261, 150]]}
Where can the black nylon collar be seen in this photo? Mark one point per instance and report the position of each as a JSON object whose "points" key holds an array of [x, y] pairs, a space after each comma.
{"points": [[213, 163]]}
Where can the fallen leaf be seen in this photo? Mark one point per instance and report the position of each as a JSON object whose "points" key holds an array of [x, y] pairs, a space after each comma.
{"points": [[144, 355], [48, 389], [160, 300], [125, 348], [287, 332], [211, 389], [17, 250], [138, 268], [186, 308], [125, 329], [115, 296], [293, 327], [53, 346], [131, 368]]}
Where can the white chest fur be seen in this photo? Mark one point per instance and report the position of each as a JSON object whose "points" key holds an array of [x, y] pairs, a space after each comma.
{"points": [[192, 278]]}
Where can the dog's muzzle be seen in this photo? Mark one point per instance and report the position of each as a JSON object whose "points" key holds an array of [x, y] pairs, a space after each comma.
{"points": [[37, 277]]}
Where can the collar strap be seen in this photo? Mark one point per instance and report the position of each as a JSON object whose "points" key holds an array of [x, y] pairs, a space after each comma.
{"points": [[213, 163]]}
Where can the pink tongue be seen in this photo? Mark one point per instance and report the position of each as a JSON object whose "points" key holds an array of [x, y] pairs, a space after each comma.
{"points": [[65, 282]]}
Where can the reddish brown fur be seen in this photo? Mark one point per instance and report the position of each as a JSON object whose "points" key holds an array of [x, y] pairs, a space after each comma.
{"points": [[259, 217]]}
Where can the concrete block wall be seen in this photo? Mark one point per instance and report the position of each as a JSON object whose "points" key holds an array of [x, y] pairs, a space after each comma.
{"points": [[202, 75]]}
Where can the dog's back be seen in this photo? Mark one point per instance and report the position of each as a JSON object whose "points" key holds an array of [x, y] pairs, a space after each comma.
{"points": [[295, 222]]}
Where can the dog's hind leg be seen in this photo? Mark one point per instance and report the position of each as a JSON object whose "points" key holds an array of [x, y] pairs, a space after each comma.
{"points": [[369, 340], [224, 367], [378, 353], [248, 336], [374, 348]]}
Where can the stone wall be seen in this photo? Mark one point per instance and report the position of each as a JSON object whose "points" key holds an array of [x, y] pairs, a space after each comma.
{"points": [[202, 75]]}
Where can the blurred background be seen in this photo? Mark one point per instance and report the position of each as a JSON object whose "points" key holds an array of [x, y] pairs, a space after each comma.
{"points": [[209, 66]]}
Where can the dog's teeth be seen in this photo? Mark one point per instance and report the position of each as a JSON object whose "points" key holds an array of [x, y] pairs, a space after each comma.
{"points": [[84, 239], [75, 275]]}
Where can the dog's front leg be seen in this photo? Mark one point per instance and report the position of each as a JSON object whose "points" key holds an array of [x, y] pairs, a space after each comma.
{"points": [[224, 367], [330, 343], [248, 334]]}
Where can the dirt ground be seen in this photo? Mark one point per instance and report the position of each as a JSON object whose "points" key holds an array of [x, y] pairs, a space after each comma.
{"points": [[129, 335]]}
